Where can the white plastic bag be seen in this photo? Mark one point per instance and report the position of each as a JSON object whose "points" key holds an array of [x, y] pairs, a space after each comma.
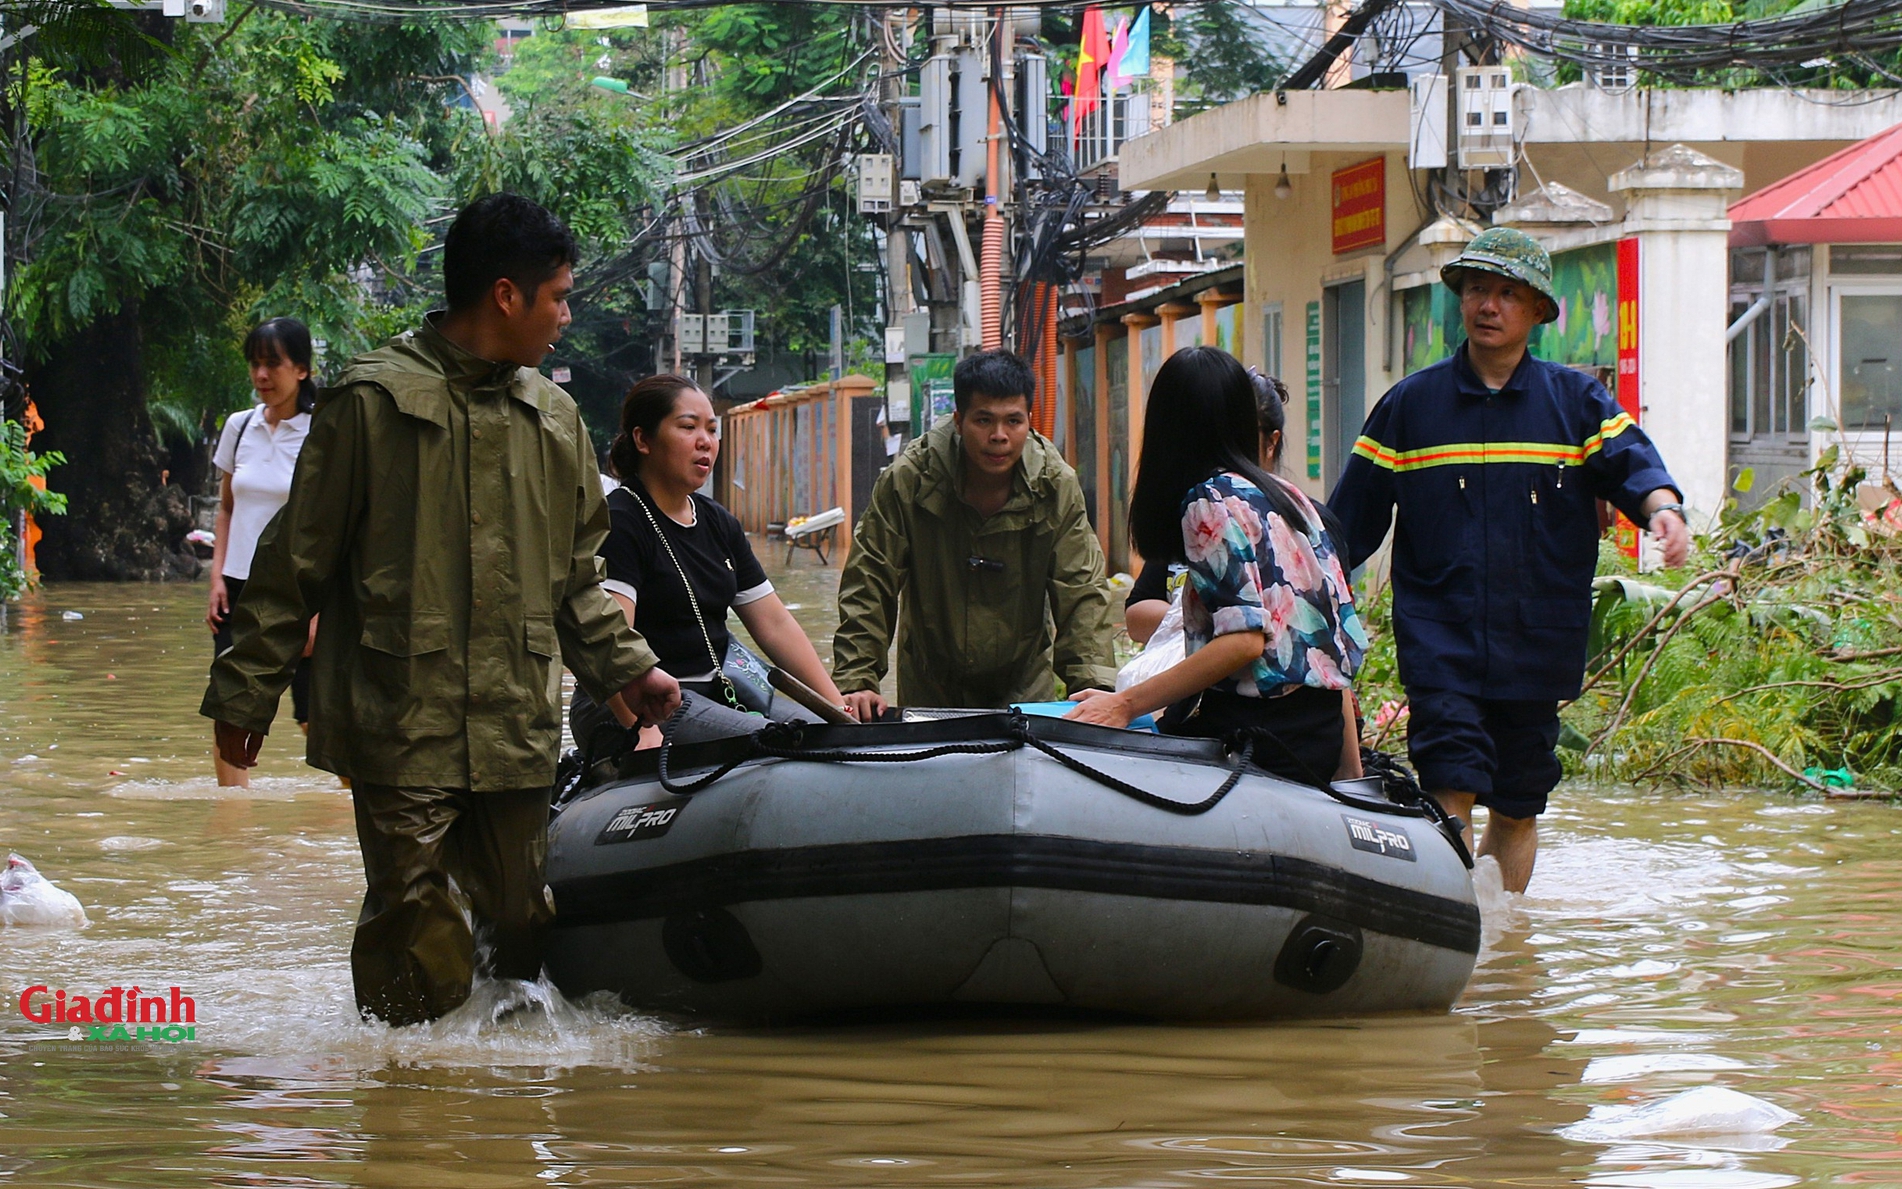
{"points": [[1165, 649], [1707, 1110], [29, 898]]}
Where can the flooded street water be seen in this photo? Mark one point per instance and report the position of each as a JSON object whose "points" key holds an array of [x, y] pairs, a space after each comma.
{"points": [[1671, 941]]}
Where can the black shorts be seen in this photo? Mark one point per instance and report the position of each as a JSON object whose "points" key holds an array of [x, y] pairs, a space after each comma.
{"points": [[300, 680], [1298, 736], [1500, 751]]}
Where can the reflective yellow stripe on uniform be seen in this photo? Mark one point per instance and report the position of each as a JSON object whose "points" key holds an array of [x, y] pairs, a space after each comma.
{"points": [[1454, 453]]}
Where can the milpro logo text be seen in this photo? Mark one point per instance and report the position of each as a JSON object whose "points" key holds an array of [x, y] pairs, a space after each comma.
{"points": [[640, 821], [116, 1013], [1391, 841]]}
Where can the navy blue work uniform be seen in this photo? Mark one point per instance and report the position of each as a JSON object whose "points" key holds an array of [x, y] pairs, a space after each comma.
{"points": [[1495, 546]]}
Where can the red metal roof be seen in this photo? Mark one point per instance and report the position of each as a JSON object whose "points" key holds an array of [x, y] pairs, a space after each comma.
{"points": [[1850, 197]]}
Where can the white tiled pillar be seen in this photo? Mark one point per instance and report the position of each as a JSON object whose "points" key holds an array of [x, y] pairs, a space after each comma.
{"points": [[1676, 204]]}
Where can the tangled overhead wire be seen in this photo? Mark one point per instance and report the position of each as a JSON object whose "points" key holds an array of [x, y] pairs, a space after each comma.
{"points": [[1856, 29], [554, 10]]}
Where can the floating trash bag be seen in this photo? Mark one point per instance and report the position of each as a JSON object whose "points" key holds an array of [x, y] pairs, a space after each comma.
{"points": [[1707, 1110], [29, 898]]}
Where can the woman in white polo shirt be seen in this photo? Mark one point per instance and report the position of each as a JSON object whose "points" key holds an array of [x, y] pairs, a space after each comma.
{"points": [[257, 452]]}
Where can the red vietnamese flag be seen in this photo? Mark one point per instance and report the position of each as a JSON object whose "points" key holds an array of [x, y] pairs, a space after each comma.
{"points": [[1089, 68]]}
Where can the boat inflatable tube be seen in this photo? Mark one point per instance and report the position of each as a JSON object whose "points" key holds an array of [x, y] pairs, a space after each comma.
{"points": [[999, 859]]}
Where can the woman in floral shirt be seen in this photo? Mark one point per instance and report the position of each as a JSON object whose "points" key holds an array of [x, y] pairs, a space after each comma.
{"points": [[1272, 636]]}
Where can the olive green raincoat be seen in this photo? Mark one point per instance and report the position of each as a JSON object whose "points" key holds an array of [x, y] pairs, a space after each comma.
{"points": [[994, 609], [444, 519]]}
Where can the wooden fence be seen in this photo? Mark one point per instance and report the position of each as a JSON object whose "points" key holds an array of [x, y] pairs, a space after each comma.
{"points": [[802, 451]]}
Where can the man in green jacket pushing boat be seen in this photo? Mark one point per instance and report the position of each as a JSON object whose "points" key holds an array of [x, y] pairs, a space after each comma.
{"points": [[444, 518], [977, 546]]}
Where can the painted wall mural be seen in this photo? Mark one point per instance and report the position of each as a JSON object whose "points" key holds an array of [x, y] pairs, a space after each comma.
{"points": [[1585, 334]]}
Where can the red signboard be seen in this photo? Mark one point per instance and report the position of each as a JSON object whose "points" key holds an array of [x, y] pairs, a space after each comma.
{"points": [[1626, 533], [1360, 206]]}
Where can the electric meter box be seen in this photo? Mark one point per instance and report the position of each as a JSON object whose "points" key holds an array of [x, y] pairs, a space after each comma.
{"points": [[1485, 116]]}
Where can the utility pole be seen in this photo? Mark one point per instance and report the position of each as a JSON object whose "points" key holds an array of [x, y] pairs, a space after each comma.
{"points": [[703, 303], [894, 32], [674, 80]]}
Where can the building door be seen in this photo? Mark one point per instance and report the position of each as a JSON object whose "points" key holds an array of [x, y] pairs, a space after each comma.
{"points": [[1083, 425], [1343, 372], [1115, 485], [1769, 369]]}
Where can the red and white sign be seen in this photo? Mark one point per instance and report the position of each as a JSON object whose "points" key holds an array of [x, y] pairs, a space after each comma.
{"points": [[1360, 206], [1626, 382]]}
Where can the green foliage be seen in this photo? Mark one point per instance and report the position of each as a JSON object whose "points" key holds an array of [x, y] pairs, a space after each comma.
{"points": [[588, 163], [246, 174], [1653, 12], [1851, 71], [792, 258], [556, 67], [1795, 647], [278, 165], [762, 54], [1227, 56], [283, 165], [791, 247], [18, 468]]}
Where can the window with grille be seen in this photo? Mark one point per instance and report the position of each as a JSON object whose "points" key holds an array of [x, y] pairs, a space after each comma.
{"points": [[1769, 358]]}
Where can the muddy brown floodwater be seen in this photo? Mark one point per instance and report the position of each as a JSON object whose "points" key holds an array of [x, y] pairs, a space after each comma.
{"points": [[1743, 940]]}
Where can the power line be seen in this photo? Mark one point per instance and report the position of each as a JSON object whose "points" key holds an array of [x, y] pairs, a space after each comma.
{"points": [[1803, 40], [554, 10]]}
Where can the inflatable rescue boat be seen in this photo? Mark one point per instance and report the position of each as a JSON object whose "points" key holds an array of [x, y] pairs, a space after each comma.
{"points": [[998, 858]]}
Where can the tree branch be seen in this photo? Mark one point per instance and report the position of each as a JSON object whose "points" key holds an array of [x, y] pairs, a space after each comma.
{"points": [[1759, 748]]}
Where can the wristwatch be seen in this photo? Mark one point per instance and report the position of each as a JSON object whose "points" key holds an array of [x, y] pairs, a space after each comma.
{"points": [[1677, 509]]}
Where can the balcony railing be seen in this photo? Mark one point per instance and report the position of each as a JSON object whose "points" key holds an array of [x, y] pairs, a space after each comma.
{"points": [[1102, 133]]}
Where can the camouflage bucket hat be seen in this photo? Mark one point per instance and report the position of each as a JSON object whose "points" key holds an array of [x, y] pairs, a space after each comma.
{"points": [[1508, 252]]}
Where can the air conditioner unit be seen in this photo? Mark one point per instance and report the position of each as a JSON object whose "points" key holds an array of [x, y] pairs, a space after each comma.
{"points": [[1485, 119]]}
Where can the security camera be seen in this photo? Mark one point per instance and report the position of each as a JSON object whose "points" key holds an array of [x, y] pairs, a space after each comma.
{"points": [[205, 11]]}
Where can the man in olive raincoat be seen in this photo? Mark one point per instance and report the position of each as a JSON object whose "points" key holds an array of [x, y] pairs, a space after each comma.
{"points": [[977, 547], [444, 519]]}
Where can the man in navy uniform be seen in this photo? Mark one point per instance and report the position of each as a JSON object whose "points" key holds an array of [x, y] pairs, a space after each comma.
{"points": [[1494, 460]]}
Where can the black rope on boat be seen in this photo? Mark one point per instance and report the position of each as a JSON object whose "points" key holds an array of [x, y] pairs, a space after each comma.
{"points": [[766, 742], [786, 741], [1187, 809], [1403, 789]]}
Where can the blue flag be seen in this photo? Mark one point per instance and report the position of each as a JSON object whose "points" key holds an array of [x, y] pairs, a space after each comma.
{"points": [[1135, 63]]}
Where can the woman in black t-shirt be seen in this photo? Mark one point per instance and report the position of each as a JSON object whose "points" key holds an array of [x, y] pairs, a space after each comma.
{"points": [[661, 527]]}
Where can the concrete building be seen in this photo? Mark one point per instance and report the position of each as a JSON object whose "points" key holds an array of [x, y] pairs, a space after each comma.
{"points": [[1816, 316], [1343, 242]]}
